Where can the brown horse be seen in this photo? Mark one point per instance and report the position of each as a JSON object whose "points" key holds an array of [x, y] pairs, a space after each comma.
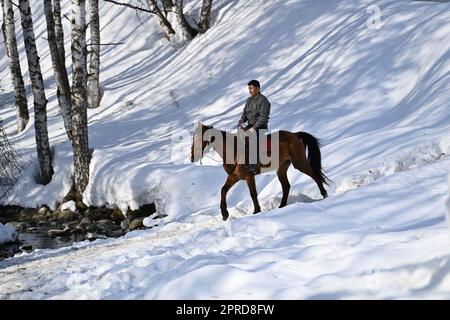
{"points": [[292, 149]]}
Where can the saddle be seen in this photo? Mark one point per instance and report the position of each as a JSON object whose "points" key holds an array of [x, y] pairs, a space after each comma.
{"points": [[268, 145]]}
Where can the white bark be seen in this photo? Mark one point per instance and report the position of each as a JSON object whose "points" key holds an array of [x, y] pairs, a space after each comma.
{"points": [[59, 33], [79, 97], [40, 101], [9, 34], [205, 15], [63, 91], [94, 62], [187, 31], [163, 22], [168, 5]]}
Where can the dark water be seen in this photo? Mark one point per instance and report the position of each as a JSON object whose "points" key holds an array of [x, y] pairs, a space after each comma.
{"points": [[40, 240], [34, 230]]}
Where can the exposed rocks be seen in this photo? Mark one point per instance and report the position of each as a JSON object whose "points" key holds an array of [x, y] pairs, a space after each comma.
{"points": [[136, 224], [81, 206], [143, 212], [44, 210], [58, 232], [84, 222], [98, 213], [39, 228], [117, 215], [124, 224], [64, 216], [27, 212], [107, 225]]}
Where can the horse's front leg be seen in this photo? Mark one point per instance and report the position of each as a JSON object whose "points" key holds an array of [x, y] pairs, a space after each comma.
{"points": [[231, 180], [252, 187]]}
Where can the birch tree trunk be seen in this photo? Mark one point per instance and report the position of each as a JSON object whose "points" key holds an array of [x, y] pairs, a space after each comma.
{"points": [[9, 35], [63, 91], [94, 62], [79, 97], [205, 14], [40, 101], [163, 22], [186, 29], [59, 32], [168, 5]]}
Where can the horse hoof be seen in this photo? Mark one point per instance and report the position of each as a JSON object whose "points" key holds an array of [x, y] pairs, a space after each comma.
{"points": [[256, 211], [225, 216]]}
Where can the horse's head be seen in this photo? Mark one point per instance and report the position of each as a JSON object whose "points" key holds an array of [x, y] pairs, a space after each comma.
{"points": [[199, 143]]}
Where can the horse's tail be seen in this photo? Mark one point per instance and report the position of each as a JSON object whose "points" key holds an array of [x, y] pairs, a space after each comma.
{"points": [[314, 155]]}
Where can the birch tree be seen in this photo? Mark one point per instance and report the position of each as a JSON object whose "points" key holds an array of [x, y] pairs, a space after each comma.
{"points": [[187, 31], [59, 33], [167, 5], [9, 35], [40, 101], [174, 18], [80, 143], [63, 91], [94, 62], [205, 14], [163, 22]]}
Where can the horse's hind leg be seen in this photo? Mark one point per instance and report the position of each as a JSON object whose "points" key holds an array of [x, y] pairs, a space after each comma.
{"points": [[231, 180], [252, 187], [301, 163], [282, 176]]}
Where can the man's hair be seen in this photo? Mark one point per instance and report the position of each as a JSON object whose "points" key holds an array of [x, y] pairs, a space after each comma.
{"points": [[254, 83]]}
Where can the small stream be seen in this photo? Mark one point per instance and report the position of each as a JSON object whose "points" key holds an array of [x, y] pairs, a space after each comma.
{"points": [[45, 229]]}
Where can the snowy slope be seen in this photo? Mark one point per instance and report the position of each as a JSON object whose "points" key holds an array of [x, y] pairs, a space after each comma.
{"points": [[377, 97]]}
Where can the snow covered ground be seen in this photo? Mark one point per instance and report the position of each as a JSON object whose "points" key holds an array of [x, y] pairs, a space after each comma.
{"points": [[6, 233], [379, 99]]}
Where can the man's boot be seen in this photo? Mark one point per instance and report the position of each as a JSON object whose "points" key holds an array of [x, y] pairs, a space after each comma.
{"points": [[251, 167]]}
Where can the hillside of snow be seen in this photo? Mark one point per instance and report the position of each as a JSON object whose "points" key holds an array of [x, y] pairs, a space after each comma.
{"points": [[378, 99]]}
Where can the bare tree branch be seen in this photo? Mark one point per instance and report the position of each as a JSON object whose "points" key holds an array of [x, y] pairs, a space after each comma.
{"points": [[106, 44], [17, 6], [10, 165], [130, 6]]}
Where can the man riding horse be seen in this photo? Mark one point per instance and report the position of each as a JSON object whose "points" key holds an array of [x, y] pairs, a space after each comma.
{"points": [[256, 112], [291, 149]]}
